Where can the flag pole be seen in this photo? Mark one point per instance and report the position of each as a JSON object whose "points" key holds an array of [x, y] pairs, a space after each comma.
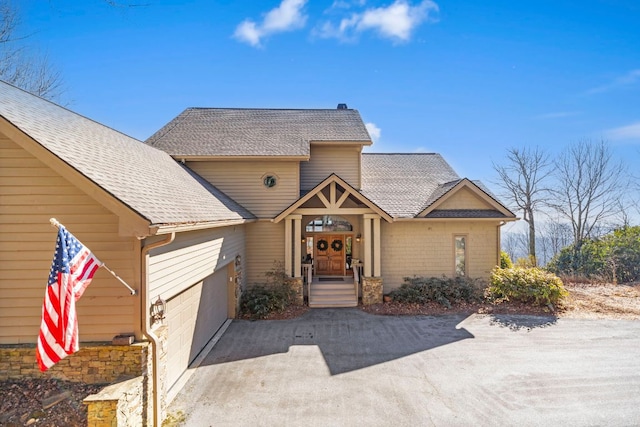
{"points": [[54, 222]]}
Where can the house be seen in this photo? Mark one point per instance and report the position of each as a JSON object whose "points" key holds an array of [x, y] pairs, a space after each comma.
{"points": [[317, 196], [202, 210]]}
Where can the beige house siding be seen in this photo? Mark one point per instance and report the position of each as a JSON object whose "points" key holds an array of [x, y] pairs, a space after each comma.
{"points": [[265, 244], [343, 161], [464, 199], [427, 249], [191, 258], [30, 194], [243, 182]]}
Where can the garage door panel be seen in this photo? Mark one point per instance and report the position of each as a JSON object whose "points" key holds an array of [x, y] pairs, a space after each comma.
{"points": [[194, 317]]}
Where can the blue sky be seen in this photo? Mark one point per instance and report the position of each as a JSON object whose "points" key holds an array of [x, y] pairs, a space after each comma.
{"points": [[463, 78]]}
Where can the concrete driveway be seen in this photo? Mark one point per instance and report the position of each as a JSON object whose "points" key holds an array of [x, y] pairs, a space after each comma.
{"points": [[343, 367]]}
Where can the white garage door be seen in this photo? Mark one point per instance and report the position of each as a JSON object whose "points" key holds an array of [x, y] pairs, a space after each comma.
{"points": [[193, 317]]}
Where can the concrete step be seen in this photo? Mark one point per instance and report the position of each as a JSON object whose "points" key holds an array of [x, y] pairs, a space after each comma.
{"points": [[333, 304], [326, 295], [333, 291], [332, 286]]}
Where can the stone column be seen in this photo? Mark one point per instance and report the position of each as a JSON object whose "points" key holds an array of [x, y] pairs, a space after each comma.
{"points": [[371, 290], [296, 284]]}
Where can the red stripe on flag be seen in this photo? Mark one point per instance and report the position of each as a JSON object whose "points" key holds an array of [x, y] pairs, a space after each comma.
{"points": [[67, 281]]}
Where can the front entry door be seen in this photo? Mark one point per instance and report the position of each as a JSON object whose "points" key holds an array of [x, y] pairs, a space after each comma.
{"points": [[329, 259]]}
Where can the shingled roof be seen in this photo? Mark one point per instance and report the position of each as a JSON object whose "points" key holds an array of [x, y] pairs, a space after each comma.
{"points": [[404, 185], [257, 132], [401, 183], [145, 179]]}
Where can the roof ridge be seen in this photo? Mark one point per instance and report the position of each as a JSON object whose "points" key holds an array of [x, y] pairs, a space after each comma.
{"points": [[269, 109], [157, 135]]}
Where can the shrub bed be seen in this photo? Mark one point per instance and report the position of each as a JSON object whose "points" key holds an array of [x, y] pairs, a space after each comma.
{"points": [[260, 300], [443, 290], [528, 285]]}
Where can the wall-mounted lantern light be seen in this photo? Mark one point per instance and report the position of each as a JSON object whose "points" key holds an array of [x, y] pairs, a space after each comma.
{"points": [[358, 237], [158, 310]]}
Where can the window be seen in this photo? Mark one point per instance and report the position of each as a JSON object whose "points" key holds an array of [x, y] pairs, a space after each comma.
{"points": [[328, 223], [269, 180], [460, 255]]}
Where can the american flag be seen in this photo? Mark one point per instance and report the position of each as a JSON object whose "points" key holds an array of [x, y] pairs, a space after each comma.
{"points": [[71, 272]]}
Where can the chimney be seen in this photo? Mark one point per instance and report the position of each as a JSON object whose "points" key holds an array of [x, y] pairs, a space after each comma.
{"points": [[342, 106]]}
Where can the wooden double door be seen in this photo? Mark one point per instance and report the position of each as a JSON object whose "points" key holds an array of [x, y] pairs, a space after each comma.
{"points": [[330, 257]]}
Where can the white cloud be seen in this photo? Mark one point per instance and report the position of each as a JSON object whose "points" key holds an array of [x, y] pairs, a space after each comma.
{"points": [[374, 131], [396, 21], [627, 132], [627, 79], [287, 16]]}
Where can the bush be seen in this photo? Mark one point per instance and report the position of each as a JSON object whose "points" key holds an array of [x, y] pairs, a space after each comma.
{"points": [[505, 260], [443, 290], [275, 295], [526, 262], [614, 257], [528, 285]]}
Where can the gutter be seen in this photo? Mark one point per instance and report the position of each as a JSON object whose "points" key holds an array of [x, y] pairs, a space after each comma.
{"points": [[178, 228], [144, 310]]}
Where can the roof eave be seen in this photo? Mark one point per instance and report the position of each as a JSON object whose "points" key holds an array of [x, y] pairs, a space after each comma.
{"points": [[456, 219], [346, 142], [158, 229], [214, 158]]}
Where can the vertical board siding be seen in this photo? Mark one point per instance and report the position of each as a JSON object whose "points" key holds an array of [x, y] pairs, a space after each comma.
{"points": [[265, 245], [192, 257], [426, 249], [464, 199], [243, 182], [30, 194], [343, 161]]}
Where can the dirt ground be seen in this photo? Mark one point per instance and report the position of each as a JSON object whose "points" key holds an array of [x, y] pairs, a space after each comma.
{"points": [[22, 402]]}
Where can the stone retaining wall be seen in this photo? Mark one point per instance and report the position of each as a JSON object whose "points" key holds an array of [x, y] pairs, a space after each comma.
{"points": [[94, 363]]}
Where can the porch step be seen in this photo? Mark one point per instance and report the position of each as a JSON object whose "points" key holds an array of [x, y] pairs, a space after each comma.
{"points": [[326, 295]]}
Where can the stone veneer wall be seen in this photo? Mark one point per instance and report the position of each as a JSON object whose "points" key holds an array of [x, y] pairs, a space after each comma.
{"points": [[371, 290], [121, 404], [126, 401], [298, 288], [94, 363]]}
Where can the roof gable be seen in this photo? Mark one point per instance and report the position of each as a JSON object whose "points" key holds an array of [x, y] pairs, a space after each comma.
{"points": [[333, 193], [247, 132], [145, 180], [482, 204]]}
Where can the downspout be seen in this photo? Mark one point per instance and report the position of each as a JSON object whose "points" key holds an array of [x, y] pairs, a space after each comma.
{"points": [[500, 224], [153, 338]]}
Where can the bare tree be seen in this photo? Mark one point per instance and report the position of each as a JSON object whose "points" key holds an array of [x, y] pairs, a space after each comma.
{"points": [[515, 243], [521, 181], [21, 65], [590, 184], [552, 237]]}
